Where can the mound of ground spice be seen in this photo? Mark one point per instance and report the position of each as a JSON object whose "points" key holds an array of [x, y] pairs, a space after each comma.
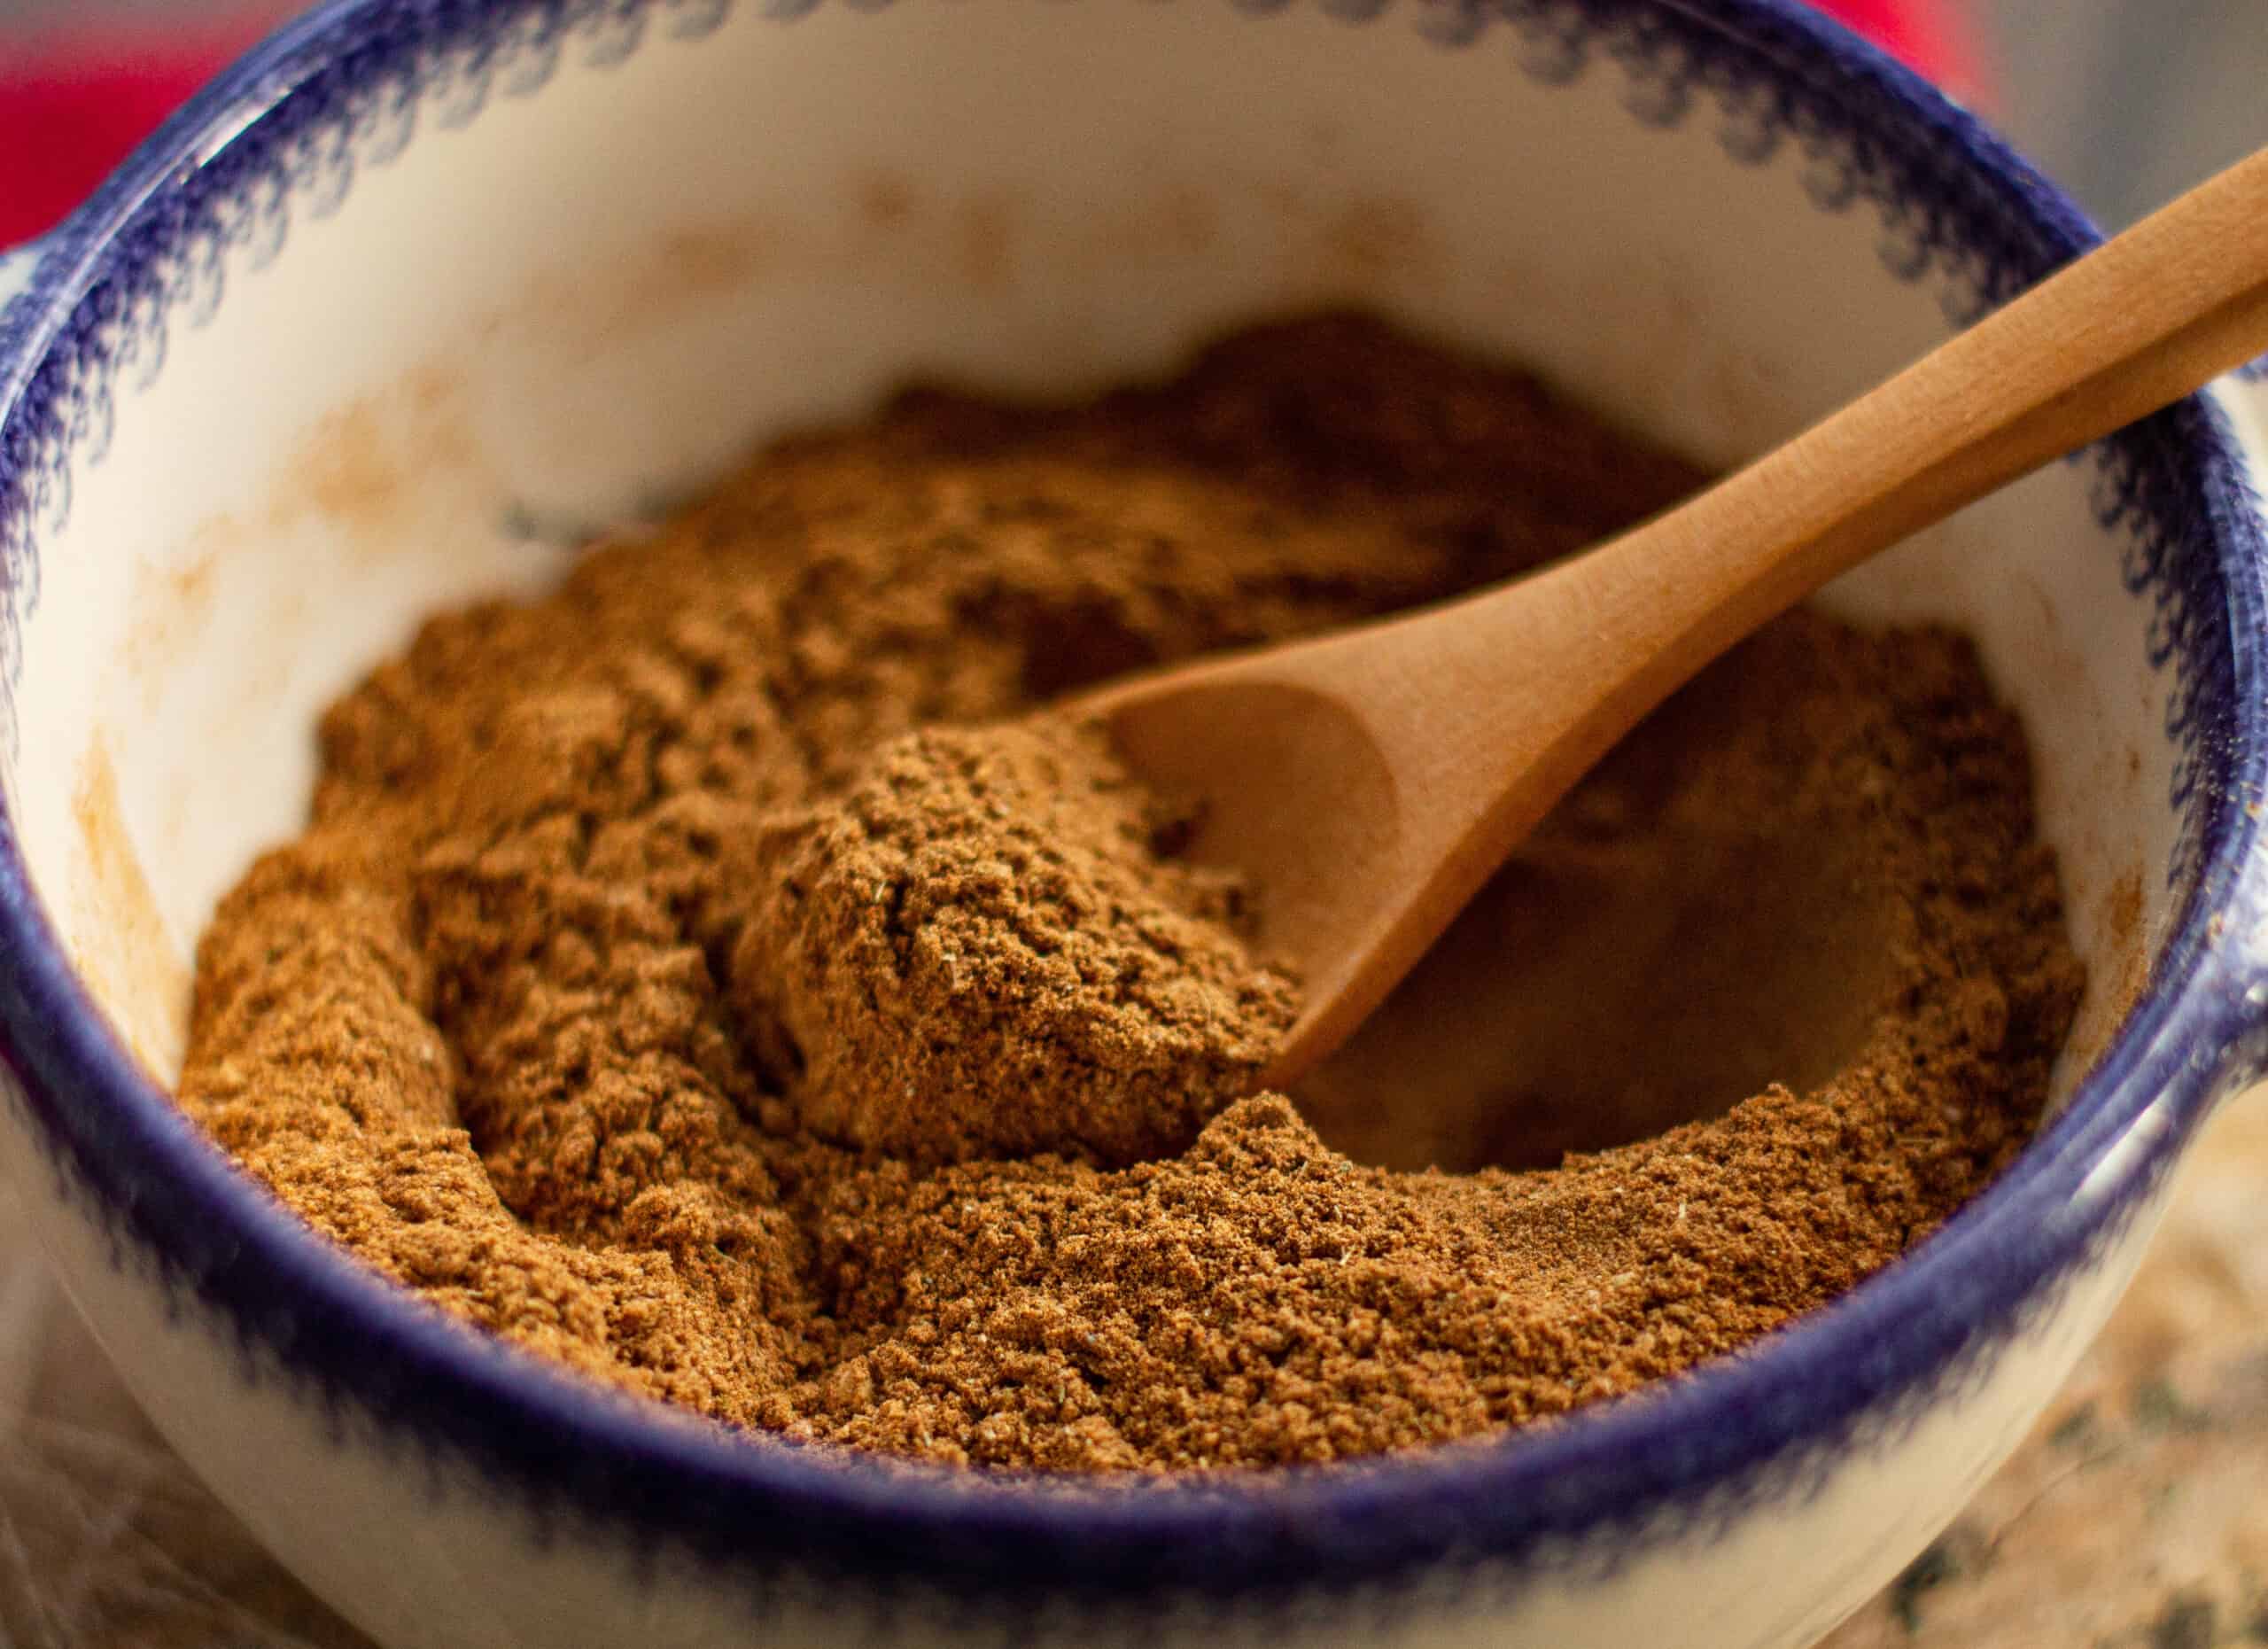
{"points": [[980, 952], [709, 977]]}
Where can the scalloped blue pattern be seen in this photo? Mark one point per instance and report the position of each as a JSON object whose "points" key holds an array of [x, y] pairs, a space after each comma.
{"points": [[364, 81], [303, 158], [440, 65]]}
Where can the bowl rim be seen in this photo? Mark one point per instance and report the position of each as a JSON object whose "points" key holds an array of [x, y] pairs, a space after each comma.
{"points": [[1676, 1460]]}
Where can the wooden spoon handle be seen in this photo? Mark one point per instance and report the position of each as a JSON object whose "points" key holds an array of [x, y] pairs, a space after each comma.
{"points": [[2124, 330], [1495, 705]]}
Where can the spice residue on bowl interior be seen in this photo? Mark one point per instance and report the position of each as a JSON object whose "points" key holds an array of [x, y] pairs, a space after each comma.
{"points": [[716, 978]]}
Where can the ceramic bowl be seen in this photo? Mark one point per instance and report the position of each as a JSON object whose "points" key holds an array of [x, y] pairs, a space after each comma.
{"points": [[418, 292]]}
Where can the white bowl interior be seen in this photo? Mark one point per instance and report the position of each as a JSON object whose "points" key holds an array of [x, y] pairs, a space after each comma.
{"points": [[582, 301]]}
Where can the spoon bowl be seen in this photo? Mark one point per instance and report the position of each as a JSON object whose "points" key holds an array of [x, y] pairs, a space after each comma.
{"points": [[1369, 782]]}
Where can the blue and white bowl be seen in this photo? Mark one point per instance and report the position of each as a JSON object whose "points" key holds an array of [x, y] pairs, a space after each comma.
{"points": [[423, 289]]}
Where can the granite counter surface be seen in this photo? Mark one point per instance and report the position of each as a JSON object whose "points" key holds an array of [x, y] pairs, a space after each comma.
{"points": [[2136, 1514]]}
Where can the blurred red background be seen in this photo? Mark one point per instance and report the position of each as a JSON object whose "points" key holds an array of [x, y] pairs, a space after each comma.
{"points": [[74, 100]]}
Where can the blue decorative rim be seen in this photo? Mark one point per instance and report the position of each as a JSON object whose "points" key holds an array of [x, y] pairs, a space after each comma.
{"points": [[1620, 1478]]}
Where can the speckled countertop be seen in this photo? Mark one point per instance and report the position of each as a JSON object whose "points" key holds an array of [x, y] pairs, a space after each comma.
{"points": [[2136, 1516]]}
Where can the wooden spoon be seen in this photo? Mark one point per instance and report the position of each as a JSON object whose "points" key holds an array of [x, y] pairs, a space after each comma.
{"points": [[1369, 782]]}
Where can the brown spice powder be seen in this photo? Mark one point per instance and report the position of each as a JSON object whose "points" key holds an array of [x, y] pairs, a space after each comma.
{"points": [[981, 951], [677, 977]]}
